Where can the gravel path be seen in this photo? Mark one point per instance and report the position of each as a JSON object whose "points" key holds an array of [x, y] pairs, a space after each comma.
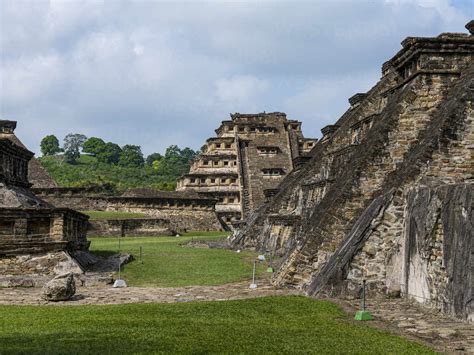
{"points": [[109, 295], [409, 319]]}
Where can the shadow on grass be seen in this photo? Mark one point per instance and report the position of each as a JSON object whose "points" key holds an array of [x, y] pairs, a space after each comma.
{"points": [[103, 253]]}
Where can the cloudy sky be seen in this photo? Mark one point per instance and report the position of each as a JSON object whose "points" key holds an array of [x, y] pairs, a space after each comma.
{"points": [[157, 73]]}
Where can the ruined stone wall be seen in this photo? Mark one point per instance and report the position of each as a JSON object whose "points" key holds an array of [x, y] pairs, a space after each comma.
{"points": [[180, 218], [131, 227], [73, 198], [31, 265], [189, 214], [30, 231], [421, 248]]}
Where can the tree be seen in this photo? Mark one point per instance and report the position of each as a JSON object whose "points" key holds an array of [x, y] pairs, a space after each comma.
{"points": [[110, 153], [156, 165], [152, 158], [131, 156], [73, 143], [50, 145], [175, 162], [172, 152], [187, 154], [93, 146]]}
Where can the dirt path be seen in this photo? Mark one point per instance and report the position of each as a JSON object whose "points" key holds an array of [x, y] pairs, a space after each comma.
{"points": [[109, 295]]}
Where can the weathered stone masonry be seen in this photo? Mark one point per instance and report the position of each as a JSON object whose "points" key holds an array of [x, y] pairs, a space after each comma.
{"points": [[171, 211], [387, 195], [245, 163], [37, 175], [29, 225]]}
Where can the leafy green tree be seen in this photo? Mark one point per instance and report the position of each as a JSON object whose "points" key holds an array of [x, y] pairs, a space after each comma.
{"points": [[155, 165], [73, 143], [175, 161], [131, 156], [152, 158], [50, 145], [110, 153], [187, 154], [93, 146]]}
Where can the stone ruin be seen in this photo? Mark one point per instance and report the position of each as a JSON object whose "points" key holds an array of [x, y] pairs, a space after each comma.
{"points": [[37, 174], [245, 163], [29, 225], [165, 212], [34, 234], [240, 169], [387, 195]]}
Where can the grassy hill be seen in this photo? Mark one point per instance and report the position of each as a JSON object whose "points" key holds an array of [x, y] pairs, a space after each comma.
{"points": [[88, 171]]}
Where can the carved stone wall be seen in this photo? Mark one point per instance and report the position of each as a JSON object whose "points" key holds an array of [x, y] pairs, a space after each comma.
{"points": [[246, 162], [131, 227], [183, 211]]}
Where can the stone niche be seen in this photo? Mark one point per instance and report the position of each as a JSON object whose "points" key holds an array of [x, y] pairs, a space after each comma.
{"points": [[33, 231]]}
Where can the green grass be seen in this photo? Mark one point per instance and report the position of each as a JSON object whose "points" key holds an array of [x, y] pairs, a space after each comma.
{"points": [[167, 264], [266, 325], [94, 215]]}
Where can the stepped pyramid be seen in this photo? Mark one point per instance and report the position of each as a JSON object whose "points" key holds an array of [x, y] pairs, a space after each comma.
{"points": [[246, 161], [387, 195]]}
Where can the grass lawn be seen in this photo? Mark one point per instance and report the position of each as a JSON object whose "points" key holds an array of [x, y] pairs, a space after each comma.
{"points": [[113, 215], [167, 264], [266, 325]]}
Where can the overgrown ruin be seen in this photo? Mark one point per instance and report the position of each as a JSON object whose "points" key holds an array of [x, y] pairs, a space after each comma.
{"points": [[246, 162], [387, 195]]}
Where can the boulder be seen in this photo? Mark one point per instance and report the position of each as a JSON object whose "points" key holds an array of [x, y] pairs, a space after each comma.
{"points": [[61, 288]]}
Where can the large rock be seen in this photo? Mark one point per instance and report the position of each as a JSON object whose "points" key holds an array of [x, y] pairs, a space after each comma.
{"points": [[61, 288]]}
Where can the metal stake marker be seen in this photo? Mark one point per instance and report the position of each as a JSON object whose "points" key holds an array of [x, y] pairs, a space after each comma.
{"points": [[363, 315], [270, 265], [119, 282], [363, 295], [141, 255], [253, 284]]}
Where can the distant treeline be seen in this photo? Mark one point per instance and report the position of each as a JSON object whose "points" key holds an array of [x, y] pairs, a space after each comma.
{"points": [[83, 161]]}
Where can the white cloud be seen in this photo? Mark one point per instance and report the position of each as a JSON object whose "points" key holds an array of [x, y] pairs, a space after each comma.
{"points": [[28, 79], [240, 91], [157, 73], [320, 100]]}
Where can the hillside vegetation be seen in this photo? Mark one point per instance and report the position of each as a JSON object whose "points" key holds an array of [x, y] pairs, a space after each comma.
{"points": [[87, 171], [83, 162]]}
